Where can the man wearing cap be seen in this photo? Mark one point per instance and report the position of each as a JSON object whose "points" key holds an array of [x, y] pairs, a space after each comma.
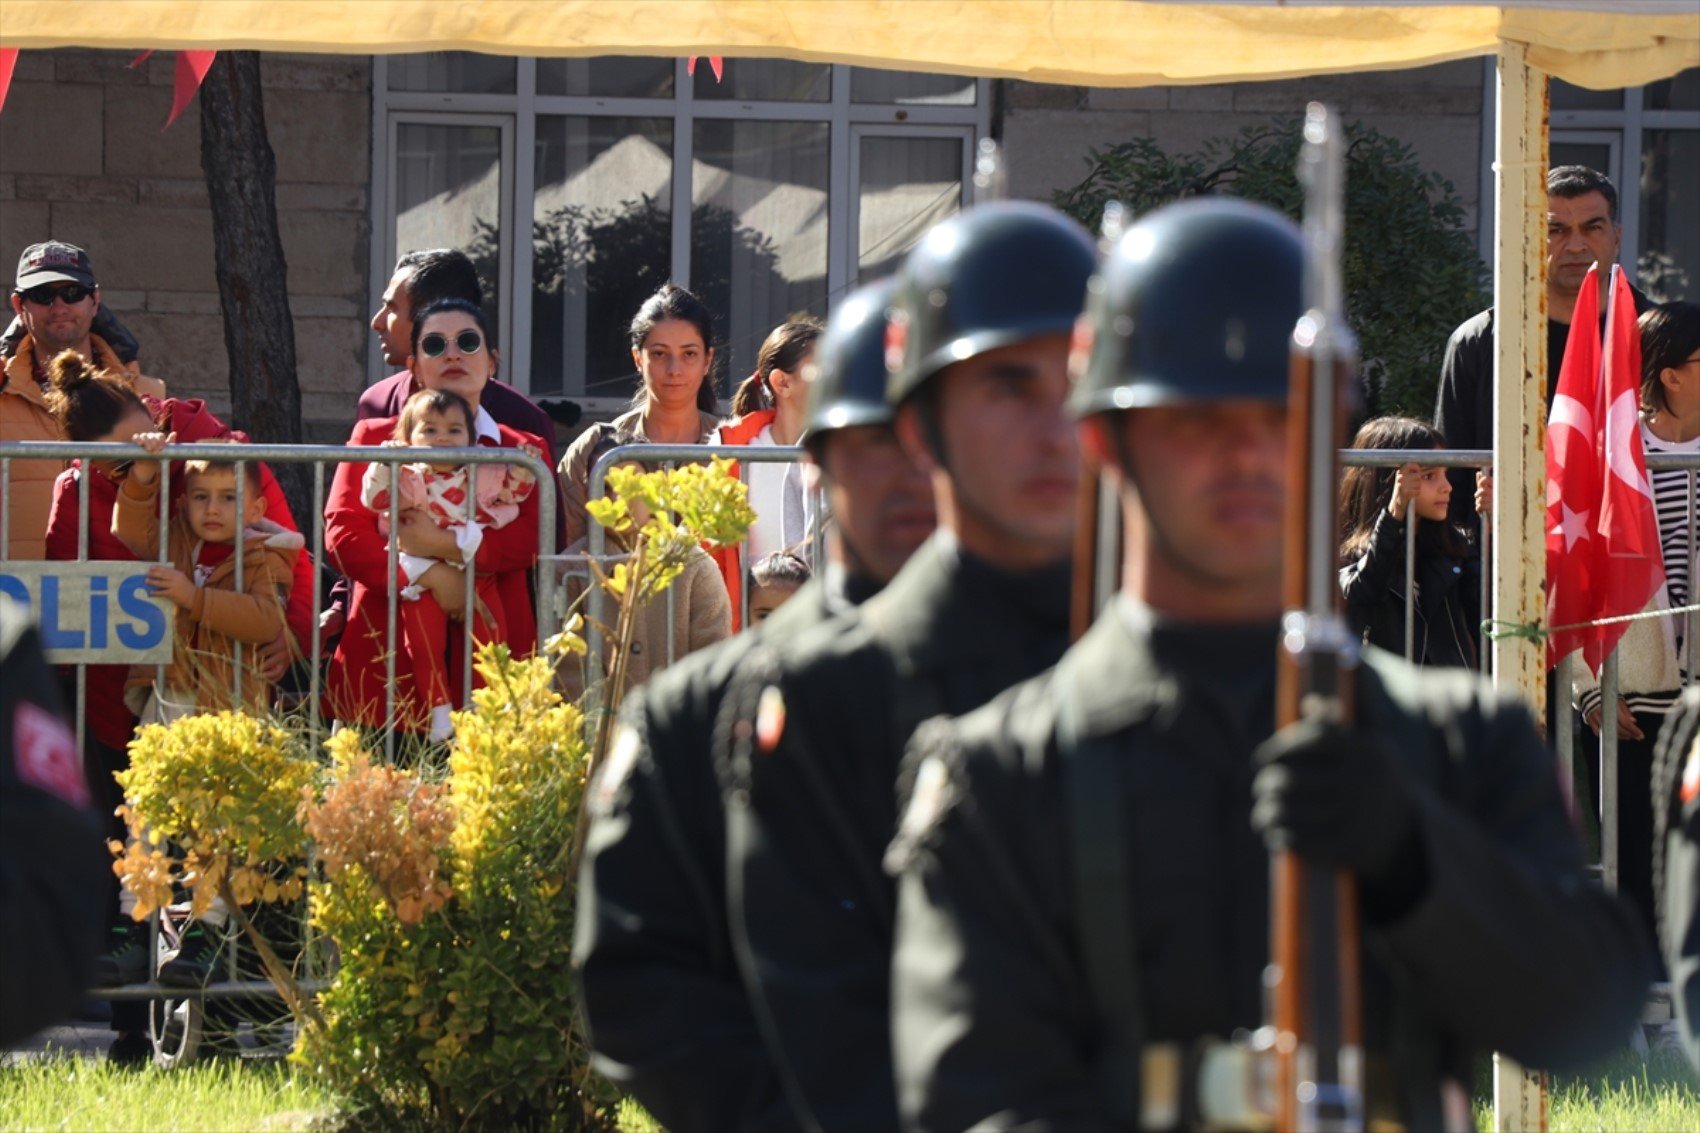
{"points": [[56, 299], [978, 360], [670, 1018], [1083, 903]]}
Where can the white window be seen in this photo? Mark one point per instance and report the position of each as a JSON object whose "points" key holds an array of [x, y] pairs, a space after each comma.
{"points": [[1647, 140], [770, 193]]}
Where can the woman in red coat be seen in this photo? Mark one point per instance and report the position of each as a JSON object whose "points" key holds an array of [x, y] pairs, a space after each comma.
{"points": [[451, 351]]}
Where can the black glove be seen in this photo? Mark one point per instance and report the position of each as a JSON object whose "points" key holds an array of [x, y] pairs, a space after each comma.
{"points": [[1336, 797]]}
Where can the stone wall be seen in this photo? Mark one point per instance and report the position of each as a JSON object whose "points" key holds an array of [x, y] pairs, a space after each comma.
{"points": [[83, 159], [1437, 110]]}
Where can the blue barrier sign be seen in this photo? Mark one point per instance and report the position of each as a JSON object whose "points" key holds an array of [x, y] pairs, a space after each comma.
{"points": [[92, 612]]}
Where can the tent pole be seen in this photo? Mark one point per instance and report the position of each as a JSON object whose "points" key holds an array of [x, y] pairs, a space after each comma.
{"points": [[1519, 413]]}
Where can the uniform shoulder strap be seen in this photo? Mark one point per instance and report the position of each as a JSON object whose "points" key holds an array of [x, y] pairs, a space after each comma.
{"points": [[1094, 793]]}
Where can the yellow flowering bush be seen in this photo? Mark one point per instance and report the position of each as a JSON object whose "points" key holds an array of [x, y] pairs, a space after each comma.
{"points": [[662, 515], [466, 1008], [211, 806]]}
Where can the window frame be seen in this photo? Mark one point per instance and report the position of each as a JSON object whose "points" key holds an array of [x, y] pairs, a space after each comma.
{"points": [[845, 120]]}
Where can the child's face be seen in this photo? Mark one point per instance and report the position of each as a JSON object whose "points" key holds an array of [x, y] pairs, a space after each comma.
{"points": [[766, 599], [1434, 494], [209, 505], [436, 429]]}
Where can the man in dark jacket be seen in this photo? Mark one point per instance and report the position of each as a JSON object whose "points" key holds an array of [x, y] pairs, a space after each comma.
{"points": [[1084, 899], [52, 860], [1582, 230], [670, 1019], [979, 343]]}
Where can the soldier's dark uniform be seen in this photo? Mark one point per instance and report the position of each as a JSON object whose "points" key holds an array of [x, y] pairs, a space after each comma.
{"points": [[1676, 806], [809, 816], [52, 858], [669, 1018], [1069, 908]]}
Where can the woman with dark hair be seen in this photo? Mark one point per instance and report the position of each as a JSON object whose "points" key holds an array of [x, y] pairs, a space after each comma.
{"points": [[451, 351], [1376, 506], [672, 337], [770, 409]]}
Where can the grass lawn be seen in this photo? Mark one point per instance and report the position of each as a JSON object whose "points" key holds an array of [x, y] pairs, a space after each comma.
{"points": [[213, 1096], [1660, 1094], [221, 1094], [1624, 1093]]}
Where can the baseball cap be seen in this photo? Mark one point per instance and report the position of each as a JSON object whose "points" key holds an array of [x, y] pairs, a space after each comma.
{"points": [[54, 262]]}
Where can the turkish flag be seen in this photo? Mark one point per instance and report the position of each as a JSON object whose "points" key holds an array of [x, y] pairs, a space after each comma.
{"points": [[1603, 554]]}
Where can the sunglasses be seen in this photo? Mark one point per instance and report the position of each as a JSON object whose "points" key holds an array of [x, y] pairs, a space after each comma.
{"points": [[467, 342], [70, 293]]}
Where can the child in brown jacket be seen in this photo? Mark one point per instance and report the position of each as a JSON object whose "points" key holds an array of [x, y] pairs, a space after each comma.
{"points": [[213, 616]]}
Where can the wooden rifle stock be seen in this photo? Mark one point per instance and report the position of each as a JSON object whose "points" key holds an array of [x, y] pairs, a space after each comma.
{"points": [[1314, 976]]}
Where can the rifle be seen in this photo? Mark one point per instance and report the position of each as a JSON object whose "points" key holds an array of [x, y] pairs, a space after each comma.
{"points": [[1313, 979], [1097, 509]]}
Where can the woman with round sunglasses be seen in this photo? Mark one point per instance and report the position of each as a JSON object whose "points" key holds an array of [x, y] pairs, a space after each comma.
{"points": [[672, 340], [451, 351]]}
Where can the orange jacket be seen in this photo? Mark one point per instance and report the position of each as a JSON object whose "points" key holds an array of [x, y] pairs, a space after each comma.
{"points": [[730, 560], [24, 417]]}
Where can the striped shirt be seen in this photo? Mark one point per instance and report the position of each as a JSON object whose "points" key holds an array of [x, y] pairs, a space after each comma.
{"points": [[1670, 498]]}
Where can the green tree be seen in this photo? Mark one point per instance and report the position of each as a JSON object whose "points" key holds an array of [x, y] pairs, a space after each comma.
{"points": [[1412, 273]]}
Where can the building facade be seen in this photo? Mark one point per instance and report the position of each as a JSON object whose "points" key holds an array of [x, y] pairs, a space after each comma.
{"points": [[580, 185]]}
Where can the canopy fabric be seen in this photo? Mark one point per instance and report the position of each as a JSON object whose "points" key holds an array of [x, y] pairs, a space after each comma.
{"points": [[1600, 43]]}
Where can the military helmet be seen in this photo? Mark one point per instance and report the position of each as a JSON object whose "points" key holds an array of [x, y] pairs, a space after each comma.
{"points": [[995, 275], [1195, 302], [846, 382]]}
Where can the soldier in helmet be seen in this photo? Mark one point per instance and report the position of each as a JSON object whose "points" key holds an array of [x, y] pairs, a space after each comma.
{"points": [[1676, 851], [669, 1019], [1083, 899], [978, 355]]}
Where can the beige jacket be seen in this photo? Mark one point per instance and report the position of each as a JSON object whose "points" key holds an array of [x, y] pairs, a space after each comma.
{"points": [[203, 655], [1648, 673], [702, 615], [24, 417], [574, 468]]}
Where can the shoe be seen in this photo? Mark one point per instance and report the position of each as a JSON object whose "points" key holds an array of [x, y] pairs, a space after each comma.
{"points": [[132, 1048], [195, 959], [127, 962]]}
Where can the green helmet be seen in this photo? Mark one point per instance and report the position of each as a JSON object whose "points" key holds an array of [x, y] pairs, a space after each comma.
{"points": [[989, 277], [847, 381], [1196, 302]]}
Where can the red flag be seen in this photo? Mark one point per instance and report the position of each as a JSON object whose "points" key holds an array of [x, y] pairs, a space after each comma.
{"points": [[1603, 555], [192, 68], [191, 72], [716, 63], [8, 60]]}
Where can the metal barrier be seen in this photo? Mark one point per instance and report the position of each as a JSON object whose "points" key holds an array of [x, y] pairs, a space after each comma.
{"points": [[312, 651], [668, 456], [318, 456]]}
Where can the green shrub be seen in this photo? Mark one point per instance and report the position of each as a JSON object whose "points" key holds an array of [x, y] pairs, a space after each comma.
{"points": [[1412, 274]]}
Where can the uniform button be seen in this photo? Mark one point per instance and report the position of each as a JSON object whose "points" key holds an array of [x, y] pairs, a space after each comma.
{"points": [[637, 647]]}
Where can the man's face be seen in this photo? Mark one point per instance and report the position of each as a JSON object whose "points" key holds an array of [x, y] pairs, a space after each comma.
{"points": [[394, 320], [57, 324], [1580, 234], [1011, 453], [1210, 481], [881, 502]]}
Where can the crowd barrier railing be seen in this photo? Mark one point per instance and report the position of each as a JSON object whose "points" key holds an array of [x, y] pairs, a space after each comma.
{"points": [[319, 457]]}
